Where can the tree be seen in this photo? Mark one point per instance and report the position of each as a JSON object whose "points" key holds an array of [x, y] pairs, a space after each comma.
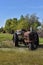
{"points": [[23, 25], [25, 22], [10, 25], [34, 21], [1, 29]]}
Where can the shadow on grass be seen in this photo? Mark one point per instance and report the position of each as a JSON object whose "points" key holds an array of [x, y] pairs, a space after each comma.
{"points": [[24, 46]]}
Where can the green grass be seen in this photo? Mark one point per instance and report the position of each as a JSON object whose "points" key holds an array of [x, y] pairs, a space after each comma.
{"points": [[9, 55], [4, 37], [21, 56], [7, 42], [41, 40]]}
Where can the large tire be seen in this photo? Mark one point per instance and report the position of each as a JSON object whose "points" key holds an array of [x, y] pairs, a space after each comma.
{"points": [[15, 39], [35, 40]]}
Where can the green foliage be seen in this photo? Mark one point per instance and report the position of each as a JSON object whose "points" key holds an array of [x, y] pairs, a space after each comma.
{"points": [[1, 29], [11, 25], [23, 23], [34, 21]]}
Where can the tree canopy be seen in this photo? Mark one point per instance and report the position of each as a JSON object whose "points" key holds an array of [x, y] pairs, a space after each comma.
{"points": [[24, 22]]}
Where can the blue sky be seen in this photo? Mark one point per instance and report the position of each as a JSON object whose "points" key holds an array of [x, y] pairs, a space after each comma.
{"points": [[15, 8]]}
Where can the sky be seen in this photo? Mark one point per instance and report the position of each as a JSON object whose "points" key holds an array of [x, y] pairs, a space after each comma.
{"points": [[16, 8]]}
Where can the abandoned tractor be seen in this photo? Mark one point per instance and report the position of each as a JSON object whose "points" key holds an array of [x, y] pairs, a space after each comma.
{"points": [[29, 38]]}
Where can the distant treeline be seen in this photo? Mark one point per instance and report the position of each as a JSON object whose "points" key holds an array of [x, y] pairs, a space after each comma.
{"points": [[24, 22]]}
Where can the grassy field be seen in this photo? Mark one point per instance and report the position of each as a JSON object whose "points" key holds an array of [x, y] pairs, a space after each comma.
{"points": [[11, 55], [41, 40], [7, 42], [4, 37], [21, 56]]}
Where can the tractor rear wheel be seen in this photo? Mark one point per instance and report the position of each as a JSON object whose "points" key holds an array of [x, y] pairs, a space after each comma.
{"points": [[35, 40]]}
